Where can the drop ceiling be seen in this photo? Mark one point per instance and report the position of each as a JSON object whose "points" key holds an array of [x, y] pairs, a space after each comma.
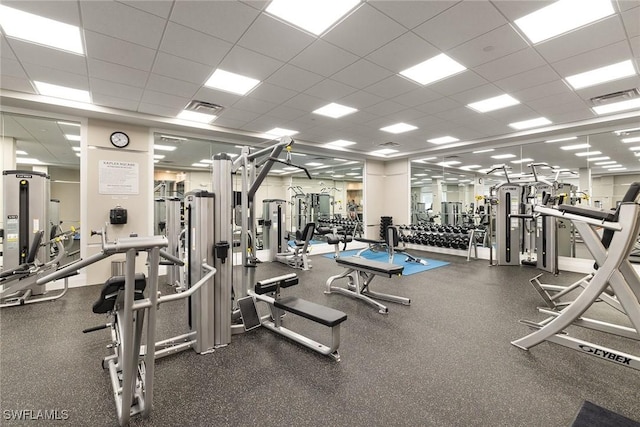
{"points": [[153, 57]]}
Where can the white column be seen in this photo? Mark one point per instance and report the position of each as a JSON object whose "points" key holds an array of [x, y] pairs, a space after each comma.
{"points": [[584, 183]]}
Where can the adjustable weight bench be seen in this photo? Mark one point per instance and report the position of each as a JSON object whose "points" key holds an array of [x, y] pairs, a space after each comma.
{"points": [[390, 246], [360, 268], [268, 291]]}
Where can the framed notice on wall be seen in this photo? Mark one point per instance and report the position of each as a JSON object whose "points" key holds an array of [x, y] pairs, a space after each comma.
{"points": [[116, 177]]}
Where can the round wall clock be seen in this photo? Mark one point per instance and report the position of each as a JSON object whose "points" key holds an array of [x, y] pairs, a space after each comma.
{"points": [[119, 139]]}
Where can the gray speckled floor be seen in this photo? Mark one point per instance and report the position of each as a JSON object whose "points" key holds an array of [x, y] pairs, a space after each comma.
{"points": [[444, 361]]}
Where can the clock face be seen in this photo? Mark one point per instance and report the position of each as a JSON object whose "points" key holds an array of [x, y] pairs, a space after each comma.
{"points": [[119, 139]]}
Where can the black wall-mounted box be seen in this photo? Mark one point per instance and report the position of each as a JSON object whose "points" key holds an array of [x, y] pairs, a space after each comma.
{"points": [[118, 215]]}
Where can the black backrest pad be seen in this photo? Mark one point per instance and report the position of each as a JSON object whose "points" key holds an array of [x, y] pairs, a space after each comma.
{"points": [[630, 196], [110, 289], [35, 245], [392, 236]]}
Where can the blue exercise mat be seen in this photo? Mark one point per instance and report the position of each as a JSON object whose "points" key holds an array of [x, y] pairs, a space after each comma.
{"points": [[398, 259]]}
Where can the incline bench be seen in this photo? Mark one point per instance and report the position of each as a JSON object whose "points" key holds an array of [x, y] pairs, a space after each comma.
{"points": [[366, 269], [268, 291]]}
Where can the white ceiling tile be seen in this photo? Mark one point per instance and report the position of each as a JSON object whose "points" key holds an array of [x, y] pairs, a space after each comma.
{"points": [[361, 74], [364, 31], [304, 102], [229, 123], [403, 52], [477, 94], [625, 5], [272, 93], [5, 50], [117, 73], [391, 87], [442, 104], [194, 45], [359, 117], [592, 59], [181, 69], [323, 58], [115, 89], [330, 90], [517, 9], [171, 86], [572, 116], [515, 63], [254, 105], [558, 104], [248, 63], [407, 115], [385, 108], [227, 20], [631, 20], [459, 113], [527, 79], [556, 87], [602, 33], [294, 78], [158, 110], [12, 68], [225, 99], [164, 99], [107, 100], [485, 48], [158, 8], [122, 22], [412, 13], [63, 11], [56, 77], [274, 38], [239, 115], [417, 97], [285, 113], [635, 46], [360, 100], [257, 4], [458, 83], [119, 51], [463, 22], [263, 124], [52, 58], [16, 83]]}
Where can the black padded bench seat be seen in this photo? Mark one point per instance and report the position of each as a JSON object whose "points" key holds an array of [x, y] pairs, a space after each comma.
{"points": [[312, 311], [370, 241], [589, 213], [376, 267], [110, 289]]}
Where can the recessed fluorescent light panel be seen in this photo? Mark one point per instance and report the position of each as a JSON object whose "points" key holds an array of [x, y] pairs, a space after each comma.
{"points": [[634, 148], [503, 156], [334, 110], [612, 166], [532, 123], [517, 162], [21, 153], [28, 161], [434, 69], [488, 150], [281, 132], [314, 164], [338, 144], [598, 158], [76, 148], [470, 166], [617, 106], [194, 116], [589, 153], [70, 137], [625, 131], [610, 162], [160, 147], [231, 82], [398, 128], [383, 152], [443, 140], [569, 138], [37, 29], [628, 140], [74, 124], [158, 156], [575, 147], [199, 165], [495, 103], [314, 16], [56, 91], [602, 75], [561, 17], [617, 169], [448, 163]]}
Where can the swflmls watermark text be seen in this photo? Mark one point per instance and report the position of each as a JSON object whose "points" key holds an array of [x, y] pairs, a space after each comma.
{"points": [[35, 414]]}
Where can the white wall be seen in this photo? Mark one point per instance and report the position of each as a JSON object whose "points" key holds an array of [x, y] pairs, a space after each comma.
{"points": [[65, 186], [387, 192], [611, 189]]}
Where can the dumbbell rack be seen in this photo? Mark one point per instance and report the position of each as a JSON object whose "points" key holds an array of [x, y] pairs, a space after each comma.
{"points": [[436, 235]]}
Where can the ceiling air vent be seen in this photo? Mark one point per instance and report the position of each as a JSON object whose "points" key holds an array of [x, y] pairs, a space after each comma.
{"points": [[204, 107], [389, 144], [622, 95]]}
